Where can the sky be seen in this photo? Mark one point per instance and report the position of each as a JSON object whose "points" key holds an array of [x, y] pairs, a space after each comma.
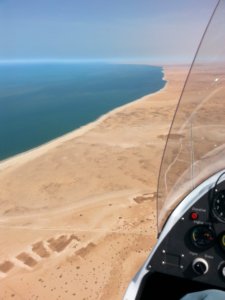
{"points": [[157, 31]]}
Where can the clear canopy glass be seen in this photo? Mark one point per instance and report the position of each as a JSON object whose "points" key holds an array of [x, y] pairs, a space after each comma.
{"points": [[195, 147]]}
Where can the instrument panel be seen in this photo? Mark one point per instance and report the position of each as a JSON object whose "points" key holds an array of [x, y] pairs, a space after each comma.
{"points": [[195, 246]]}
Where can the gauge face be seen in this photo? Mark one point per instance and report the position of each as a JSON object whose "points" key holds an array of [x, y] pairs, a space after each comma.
{"points": [[222, 240], [218, 206], [202, 236]]}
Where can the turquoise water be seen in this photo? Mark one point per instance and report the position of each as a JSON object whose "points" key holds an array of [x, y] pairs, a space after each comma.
{"points": [[39, 102]]}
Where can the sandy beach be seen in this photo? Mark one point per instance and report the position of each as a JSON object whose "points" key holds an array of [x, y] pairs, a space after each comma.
{"points": [[78, 215]]}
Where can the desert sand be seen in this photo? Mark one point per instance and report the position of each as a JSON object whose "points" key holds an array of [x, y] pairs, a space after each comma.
{"points": [[78, 215]]}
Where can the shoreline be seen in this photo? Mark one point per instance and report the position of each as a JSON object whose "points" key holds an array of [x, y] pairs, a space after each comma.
{"points": [[33, 153], [86, 202]]}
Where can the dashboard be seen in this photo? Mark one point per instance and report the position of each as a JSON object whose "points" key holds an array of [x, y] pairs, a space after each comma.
{"points": [[194, 248]]}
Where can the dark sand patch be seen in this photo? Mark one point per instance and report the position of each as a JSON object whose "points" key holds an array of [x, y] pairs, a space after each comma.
{"points": [[6, 266], [40, 250], [27, 259], [60, 243], [85, 250], [174, 136], [144, 197]]}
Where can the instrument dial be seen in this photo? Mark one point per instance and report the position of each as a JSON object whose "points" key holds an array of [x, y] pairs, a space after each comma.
{"points": [[218, 206], [202, 237], [222, 240]]}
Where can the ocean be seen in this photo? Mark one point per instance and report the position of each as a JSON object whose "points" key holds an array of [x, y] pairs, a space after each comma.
{"points": [[40, 102]]}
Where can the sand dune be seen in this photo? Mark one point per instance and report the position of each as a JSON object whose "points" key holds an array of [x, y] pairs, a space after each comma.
{"points": [[78, 214]]}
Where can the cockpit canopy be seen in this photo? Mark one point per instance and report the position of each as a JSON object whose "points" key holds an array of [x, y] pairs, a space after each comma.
{"points": [[195, 147]]}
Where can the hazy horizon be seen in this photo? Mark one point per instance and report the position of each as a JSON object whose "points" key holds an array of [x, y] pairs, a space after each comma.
{"points": [[128, 31]]}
